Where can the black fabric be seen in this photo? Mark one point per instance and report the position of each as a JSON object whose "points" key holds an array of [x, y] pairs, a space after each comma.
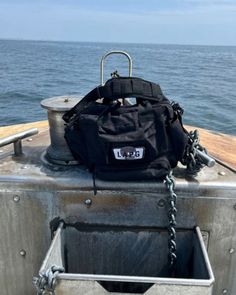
{"points": [[126, 142], [118, 88]]}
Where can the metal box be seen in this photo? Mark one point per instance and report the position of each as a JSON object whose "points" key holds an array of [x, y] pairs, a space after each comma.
{"points": [[126, 260]]}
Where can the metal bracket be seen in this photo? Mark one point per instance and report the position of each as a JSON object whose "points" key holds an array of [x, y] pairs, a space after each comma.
{"points": [[46, 282], [110, 53], [16, 140]]}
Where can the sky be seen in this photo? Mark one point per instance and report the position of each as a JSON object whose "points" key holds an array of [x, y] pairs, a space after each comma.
{"points": [[206, 22]]}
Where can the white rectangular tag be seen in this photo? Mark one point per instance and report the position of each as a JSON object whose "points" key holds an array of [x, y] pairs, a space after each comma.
{"points": [[129, 153]]}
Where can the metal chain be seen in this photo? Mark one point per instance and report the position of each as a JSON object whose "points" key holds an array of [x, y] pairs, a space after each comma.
{"points": [[192, 160], [172, 198], [46, 282], [115, 74]]}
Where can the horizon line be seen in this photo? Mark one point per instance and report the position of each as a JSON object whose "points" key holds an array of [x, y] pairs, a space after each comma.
{"points": [[112, 42]]}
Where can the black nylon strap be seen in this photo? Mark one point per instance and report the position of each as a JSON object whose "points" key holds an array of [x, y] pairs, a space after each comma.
{"points": [[88, 98], [115, 88], [125, 86]]}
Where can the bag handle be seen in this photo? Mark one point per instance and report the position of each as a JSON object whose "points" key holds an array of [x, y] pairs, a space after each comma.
{"points": [[121, 87]]}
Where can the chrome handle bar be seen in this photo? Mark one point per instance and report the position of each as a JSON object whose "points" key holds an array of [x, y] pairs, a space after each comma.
{"points": [[206, 159], [110, 53], [16, 140]]}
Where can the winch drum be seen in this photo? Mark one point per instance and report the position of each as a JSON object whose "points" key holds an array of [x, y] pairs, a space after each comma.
{"points": [[58, 152]]}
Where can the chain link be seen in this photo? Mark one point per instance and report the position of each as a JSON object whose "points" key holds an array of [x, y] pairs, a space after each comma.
{"points": [[192, 160], [172, 198], [46, 282], [115, 74]]}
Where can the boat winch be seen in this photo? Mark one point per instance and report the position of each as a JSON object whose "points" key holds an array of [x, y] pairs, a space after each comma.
{"points": [[58, 152]]}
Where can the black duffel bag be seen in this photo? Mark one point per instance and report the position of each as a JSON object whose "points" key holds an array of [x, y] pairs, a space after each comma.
{"points": [[126, 142]]}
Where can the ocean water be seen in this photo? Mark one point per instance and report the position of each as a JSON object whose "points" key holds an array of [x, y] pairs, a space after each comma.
{"points": [[201, 78]]}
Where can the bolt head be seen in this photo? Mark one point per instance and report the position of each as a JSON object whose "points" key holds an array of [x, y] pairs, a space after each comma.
{"points": [[22, 252], [29, 139], [16, 198], [88, 202], [222, 173], [231, 250], [224, 291], [161, 203]]}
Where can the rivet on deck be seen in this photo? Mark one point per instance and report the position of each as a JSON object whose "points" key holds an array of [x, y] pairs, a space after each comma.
{"points": [[161, 203], [88, 202], [222, 173], [231, 250], [225, 291], [22, 252], [16, 198]]}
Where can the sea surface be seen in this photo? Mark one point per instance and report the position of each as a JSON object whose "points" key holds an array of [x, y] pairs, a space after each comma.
{"points": [[201, 78]]}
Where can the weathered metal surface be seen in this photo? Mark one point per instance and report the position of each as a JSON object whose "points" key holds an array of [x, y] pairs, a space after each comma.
{"points": [[127, 260], [47, 191], [23, 226], [60, 103], [92, 288]]}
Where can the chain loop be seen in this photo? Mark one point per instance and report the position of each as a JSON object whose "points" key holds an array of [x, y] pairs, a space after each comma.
{"points": [[172, 198], [46, 282], [191, 159]]}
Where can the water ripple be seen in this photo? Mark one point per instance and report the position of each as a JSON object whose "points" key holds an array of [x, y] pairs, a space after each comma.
{"points": [[201, 78]]}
